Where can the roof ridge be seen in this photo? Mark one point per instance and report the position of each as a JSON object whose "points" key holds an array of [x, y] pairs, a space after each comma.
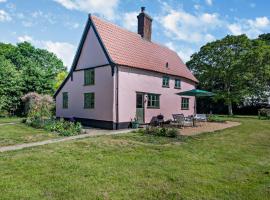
{"points": [[134, 33]]}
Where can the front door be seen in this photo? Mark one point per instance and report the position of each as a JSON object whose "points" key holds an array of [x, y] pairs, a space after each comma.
{"points": [[140, 107]]}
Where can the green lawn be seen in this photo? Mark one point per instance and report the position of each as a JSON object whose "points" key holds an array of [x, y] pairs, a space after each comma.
{"points": [[9, 119], [228, 164], [20, 133]]}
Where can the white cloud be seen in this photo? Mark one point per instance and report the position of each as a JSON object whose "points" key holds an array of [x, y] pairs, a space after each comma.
{"points": [[106, 8], [65, 51], [25, 38], [3, 1], [209, 2], [4, 16], [184, 52], [191, 28], [251, 27], [129, 20]]}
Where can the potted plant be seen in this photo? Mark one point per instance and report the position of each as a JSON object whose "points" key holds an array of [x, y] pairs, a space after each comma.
{"points": [[135, 123]]}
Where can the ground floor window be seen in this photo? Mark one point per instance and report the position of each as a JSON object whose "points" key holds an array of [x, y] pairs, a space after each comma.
{"points": [[89, 100], [65, 100], [153, 101], [185, 103]]}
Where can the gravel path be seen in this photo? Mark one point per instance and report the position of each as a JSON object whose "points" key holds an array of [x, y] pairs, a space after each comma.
{"points": [[207, 127], [89, 133]]}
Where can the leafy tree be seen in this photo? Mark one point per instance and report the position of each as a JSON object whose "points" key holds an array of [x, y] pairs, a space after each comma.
{"points": [[59, 79], [219, 68], [34, 69], [10, 86], [265, 37]]}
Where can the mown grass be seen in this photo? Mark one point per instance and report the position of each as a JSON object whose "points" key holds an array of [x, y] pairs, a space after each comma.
{"points": [[229, 164], [20, 133], [10, 119]]}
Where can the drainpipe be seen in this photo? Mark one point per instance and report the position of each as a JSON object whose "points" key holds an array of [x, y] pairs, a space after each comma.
{"points": [[117, 96]]}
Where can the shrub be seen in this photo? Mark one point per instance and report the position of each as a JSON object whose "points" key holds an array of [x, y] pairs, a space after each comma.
{"points": [[162, 132], [264, 113], [38, 106], [214, 118], [62, 127]]}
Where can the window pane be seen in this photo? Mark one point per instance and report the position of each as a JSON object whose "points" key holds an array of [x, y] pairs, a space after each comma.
{"points": [[65, 100], [89, 100], [185, 103], [153, 101], [165, 81], [177, 83], [89, 77]]}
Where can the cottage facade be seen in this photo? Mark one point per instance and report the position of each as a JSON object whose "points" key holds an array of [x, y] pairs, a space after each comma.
{"points": [[118, 75]]}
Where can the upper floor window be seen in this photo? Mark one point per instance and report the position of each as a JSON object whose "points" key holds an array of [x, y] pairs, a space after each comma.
{"points": [[185, 103], [177, 83], [89, 77], [166, 81], [89, 100], [153, 101], [65, 100]]}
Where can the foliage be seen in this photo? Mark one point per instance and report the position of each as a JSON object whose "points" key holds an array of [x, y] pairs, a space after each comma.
{"points": [[38, 106], [62, 127], [24, 69], [235, 68], [59, 79], [264, 113], [215, 118], [10, 86], [161, 131]]}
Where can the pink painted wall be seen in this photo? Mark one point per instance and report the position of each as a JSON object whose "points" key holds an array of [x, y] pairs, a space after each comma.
{"points": [[104, 98], [133, 80], [92, 54]]}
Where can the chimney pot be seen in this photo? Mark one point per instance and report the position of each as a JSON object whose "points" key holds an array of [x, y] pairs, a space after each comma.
{"points": [[142, 9]]}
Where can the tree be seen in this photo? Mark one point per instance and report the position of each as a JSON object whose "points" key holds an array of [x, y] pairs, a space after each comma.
{"points": [[10, 86], [59, 79], [34, 69], [219, 68]]}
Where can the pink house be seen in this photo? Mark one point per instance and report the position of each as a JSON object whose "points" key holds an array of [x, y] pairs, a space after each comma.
{"points": [[118, 75]]}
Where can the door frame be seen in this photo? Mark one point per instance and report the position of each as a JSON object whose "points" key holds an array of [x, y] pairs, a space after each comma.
{"points": [[143, 104]]}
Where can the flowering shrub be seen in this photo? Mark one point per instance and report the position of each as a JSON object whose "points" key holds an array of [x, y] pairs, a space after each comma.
{"points": [[39, 110], [38, 106]]}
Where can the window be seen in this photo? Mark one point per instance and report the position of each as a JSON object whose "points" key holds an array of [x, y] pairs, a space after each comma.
{"points": [[177, 83], [65, 100], [185, 103], [153, 101], [89, 100], [89, 77], [165, 81]]}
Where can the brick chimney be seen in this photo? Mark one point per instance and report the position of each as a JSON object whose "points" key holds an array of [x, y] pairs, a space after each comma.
{"points": [[144, 25]]}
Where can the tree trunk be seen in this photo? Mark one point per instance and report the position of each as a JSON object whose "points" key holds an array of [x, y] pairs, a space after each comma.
{"points": [[230, 111]]}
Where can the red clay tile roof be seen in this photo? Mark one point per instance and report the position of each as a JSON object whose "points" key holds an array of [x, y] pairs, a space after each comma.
{"points": [[129, 49]]}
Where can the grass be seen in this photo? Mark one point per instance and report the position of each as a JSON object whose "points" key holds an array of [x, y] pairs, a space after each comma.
{"points": [[229, 164], [20, 133], [9, 119]]}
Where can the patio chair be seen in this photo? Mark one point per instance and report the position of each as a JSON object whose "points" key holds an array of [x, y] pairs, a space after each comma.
{"points": [[200, 117], [178, 119]]}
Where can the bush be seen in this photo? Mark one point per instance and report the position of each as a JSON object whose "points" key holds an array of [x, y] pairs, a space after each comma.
{"points": [[162, 132], [214, 118], [264, 113], [64, 128]]}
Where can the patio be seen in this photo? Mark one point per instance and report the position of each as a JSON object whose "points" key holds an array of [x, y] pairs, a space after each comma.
{"points": [[204, 127]]}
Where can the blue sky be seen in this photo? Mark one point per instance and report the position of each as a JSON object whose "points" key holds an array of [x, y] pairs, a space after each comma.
{"points": [[183, 26]]}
